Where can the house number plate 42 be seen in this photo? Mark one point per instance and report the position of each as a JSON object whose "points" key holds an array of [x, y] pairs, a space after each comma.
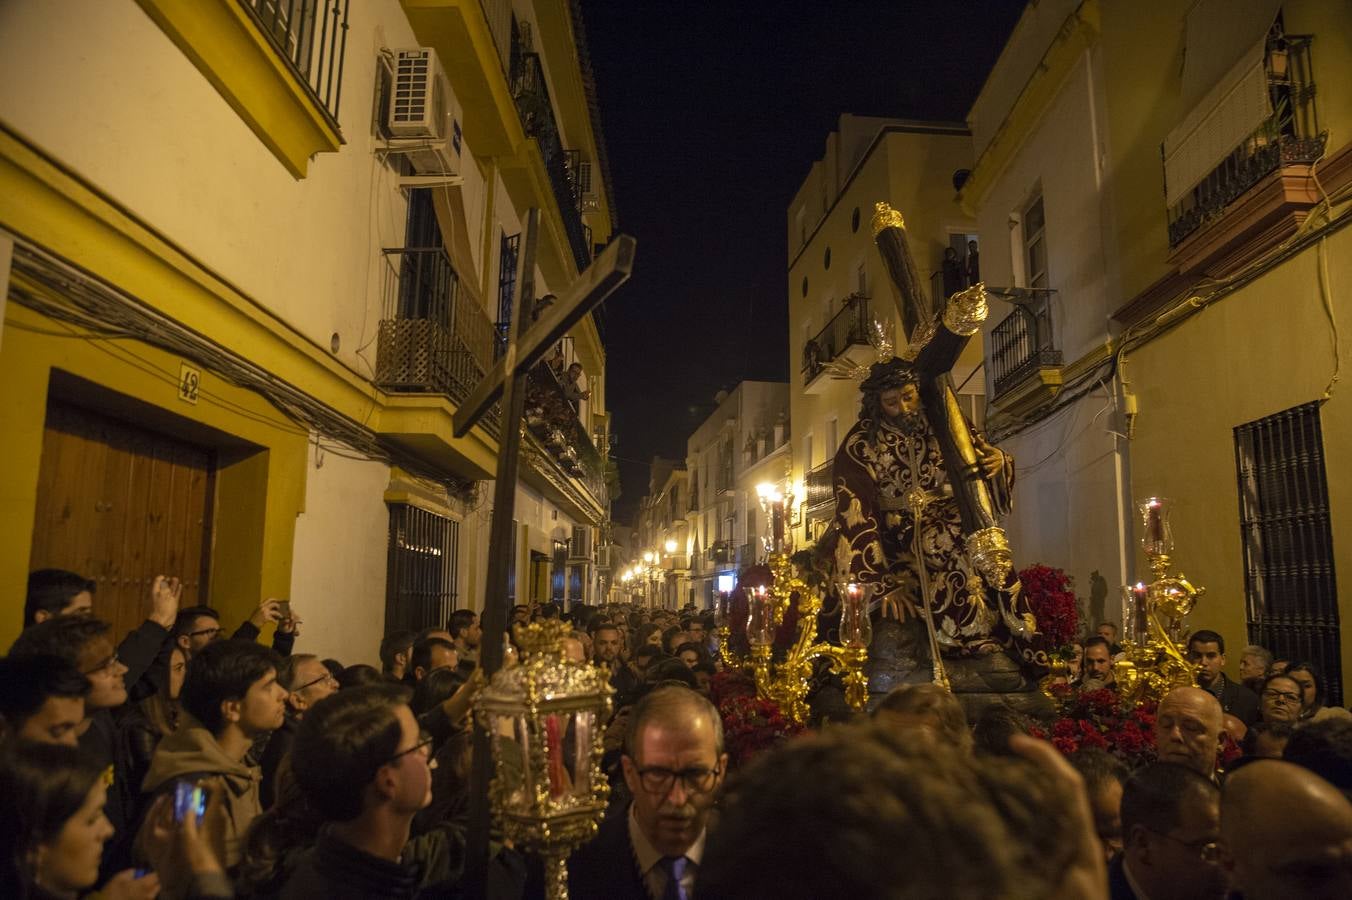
{"points": [[188, 381]]}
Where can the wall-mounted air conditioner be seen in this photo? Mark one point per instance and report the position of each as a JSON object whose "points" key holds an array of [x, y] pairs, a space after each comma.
{"points": [[418, 114], [580, 546]]}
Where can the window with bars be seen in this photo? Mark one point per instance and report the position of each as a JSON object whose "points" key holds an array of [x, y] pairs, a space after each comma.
{"points": [[1289, 580], [424, 557]]}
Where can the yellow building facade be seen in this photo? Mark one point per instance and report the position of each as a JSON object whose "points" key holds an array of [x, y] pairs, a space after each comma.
{"points": [[218, 245], [1199, 280], [838, 284]]}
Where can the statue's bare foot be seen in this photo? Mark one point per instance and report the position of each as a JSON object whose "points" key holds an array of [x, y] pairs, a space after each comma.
{"points": [[986, 648]]}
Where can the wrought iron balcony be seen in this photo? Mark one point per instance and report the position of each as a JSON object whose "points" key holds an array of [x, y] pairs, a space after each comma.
{"points": [[311, 37], [1022, 344], [552, 418], [1289, 136], [746, 555], [722, 553], [847, 328], [820, 491], [432, 338], [537, 117]]}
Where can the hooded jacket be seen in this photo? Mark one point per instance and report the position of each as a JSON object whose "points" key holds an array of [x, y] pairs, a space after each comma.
{"points": [[192, 753]]}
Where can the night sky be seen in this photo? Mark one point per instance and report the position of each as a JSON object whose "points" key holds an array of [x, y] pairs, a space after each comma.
{"points": [[713, 113]]}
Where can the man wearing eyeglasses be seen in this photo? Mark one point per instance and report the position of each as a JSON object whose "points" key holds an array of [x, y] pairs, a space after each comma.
{"points": [[306, 681], [364, 766], [673, 766], [1171, 826], [86, 644]]}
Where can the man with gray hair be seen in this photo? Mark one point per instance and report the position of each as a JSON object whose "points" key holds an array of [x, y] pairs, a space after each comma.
{"points": [[1188, 727], [673, 764], [1253, 665]]}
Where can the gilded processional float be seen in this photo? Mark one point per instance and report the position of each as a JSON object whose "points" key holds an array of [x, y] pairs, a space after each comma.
{"points": [[916, 561]]}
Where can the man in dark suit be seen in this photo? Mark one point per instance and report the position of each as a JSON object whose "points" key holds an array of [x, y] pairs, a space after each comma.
{"points": [[1171, 824], [673, 765], [1206, 649]]}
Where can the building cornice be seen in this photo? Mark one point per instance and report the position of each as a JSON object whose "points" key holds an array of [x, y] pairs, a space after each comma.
{"points": [[1077, 34]]}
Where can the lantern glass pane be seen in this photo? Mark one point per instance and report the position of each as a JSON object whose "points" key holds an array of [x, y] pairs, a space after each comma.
{"points": [[512, 749], [584, 727]]}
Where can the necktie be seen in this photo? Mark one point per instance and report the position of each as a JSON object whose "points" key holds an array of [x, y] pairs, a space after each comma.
{"points": [[675, 869]]}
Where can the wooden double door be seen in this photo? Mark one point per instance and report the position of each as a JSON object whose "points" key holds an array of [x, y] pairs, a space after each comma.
{"points": [[121, 504]]}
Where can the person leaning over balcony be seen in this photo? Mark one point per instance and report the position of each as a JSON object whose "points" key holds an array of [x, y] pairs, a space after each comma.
{"points": [[572, 388]]}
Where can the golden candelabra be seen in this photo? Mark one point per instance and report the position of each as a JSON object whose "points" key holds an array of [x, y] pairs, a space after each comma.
{"points": [[1153, 661], [786, 681]]}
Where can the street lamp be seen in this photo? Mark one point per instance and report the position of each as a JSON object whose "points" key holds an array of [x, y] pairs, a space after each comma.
{"points": [[671, 546]]}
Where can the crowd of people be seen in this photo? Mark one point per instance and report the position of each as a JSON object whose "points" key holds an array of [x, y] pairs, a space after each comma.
{"points": [[185, 762]]}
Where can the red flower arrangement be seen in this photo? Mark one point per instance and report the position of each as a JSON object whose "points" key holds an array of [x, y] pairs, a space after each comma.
{"points": [[1052, 602], [1101, 719], [751, 724]]}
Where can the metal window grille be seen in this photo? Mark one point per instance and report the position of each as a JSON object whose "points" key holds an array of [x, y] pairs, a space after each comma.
{"points": [[311, 36], [507, 265], [1289, 582], [424, 562]]}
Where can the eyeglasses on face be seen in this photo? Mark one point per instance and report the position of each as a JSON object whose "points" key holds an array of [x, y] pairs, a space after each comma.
{"points": [[424, 744], [326, 678], [208, 631], [105, 666], [697, 780], [1284, 696], [1206, 849]]}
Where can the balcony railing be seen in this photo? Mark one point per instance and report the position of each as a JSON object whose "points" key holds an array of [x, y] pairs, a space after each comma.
{"points": [[537, 117], [1288, 136], [311, 36], [820, 491], [746, 555], [552, 418], [721, 553], [1022, 343], [846, 328], [432, 338]]}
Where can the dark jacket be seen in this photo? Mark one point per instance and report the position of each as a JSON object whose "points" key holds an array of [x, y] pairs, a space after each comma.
{"points": [[139, 649], [606, 867], [278, 748], [102, 743], [1118, 888], [336, 871], [282, 641], [1238, 701]]}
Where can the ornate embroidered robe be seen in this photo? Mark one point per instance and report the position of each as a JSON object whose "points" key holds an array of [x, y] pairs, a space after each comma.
{"points": [[874, 473]]}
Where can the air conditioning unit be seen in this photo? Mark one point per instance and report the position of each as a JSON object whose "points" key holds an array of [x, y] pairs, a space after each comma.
{"points": [[419, 115], [580, 546]]}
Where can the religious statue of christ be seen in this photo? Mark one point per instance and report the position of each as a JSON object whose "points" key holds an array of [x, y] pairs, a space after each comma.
{"points": [[919, 492], [890, 464]]}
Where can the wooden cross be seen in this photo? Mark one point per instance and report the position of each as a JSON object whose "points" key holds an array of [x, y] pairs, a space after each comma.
{"points": [[527, 343], [936, 341]]}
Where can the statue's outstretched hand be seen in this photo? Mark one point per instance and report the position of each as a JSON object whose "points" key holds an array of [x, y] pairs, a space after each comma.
{"points": [[992, 458]]}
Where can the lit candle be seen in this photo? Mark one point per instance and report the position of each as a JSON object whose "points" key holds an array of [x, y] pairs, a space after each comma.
{"points": [[1154, 521], [1140, 593]]}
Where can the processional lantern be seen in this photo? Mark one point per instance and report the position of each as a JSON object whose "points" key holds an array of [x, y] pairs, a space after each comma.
{"points": [[546, 719]]}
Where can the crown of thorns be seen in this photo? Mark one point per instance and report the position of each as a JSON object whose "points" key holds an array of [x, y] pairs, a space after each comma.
{"points": [[884, 376]]}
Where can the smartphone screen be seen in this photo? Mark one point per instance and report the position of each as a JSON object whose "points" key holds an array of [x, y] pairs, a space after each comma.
{"points": [[284, 607], [189, 798]]}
